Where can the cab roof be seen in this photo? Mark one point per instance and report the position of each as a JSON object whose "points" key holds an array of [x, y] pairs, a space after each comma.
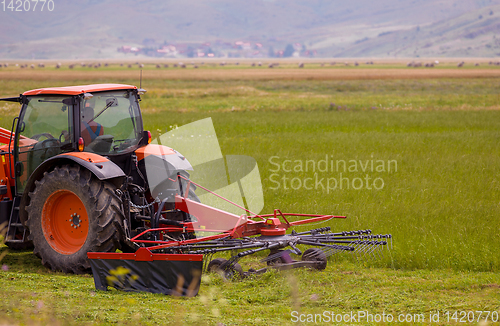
{"points": [[76, 90]]}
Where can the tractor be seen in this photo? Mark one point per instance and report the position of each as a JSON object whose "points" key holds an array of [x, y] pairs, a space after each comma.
{"points": [[72, 176]]}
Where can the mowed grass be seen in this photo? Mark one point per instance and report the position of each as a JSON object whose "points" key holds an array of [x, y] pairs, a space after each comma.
{"points": [[441, 204]]}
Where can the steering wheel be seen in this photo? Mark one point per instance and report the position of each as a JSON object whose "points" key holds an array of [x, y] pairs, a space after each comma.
{"points": [[45, 134], [51, 142]]}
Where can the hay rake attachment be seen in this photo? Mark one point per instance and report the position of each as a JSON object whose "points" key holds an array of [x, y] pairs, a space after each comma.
{"points": [[207, 231], [360, 243]]}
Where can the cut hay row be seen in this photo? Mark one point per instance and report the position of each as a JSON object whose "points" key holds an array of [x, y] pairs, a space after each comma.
{"points": [[248, 74]]}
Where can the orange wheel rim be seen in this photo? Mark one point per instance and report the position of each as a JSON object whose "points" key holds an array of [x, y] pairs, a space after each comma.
{"points": [[65, 222]]}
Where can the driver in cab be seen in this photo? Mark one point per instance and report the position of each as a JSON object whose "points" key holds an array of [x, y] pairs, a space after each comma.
{"points": [[90, 129]]}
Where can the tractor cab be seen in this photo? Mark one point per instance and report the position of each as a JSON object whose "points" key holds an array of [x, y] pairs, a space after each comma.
{"points": [[110, 122], [103, 119]]}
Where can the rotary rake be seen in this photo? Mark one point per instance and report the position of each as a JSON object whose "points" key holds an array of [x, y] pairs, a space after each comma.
{"points": [[326, 243], [172, 254]]}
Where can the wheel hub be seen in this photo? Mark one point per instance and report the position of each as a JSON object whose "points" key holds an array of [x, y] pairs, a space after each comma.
{"points": [[75, 220]]}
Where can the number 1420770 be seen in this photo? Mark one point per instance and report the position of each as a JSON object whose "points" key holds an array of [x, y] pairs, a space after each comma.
{"points": [[28, 5]]}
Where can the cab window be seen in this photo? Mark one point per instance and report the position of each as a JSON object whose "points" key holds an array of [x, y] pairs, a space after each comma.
{"points": [[110, 122], [44, 130]]}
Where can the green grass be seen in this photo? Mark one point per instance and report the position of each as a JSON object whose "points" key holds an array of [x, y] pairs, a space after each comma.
{"points": [[441, 205], [325, 95]]}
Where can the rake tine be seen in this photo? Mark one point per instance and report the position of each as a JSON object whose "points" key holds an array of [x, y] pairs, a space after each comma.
{"points": [[379, 248], [382, 250], [373, 249], [375, 252], [354, 254], [374, 244], [232, 261], [367, 247], [379, 251], [332, 252], [328, 252], [362, 246], [382, 254], [357, 251]]}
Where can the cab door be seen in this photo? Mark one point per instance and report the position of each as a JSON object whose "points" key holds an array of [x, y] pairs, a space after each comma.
{"points": [[44, 129]]}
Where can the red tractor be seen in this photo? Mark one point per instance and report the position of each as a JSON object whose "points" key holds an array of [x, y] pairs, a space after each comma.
{"points": [[72, 177]]}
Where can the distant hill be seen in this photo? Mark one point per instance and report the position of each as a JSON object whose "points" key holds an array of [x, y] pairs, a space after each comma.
{"points": [[473, 34], [97, 28]]}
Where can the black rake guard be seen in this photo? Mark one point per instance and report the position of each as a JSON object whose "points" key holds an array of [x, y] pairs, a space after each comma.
{"points": [[144, 271]]}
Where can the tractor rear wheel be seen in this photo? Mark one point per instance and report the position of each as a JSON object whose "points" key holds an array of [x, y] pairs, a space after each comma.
{"points": [[71, 212]]}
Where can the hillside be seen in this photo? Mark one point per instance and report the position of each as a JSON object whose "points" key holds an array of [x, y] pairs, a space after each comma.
{"points": [[473, 34], [96, 28]]}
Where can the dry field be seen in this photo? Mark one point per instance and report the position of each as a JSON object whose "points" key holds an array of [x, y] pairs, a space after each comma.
{"points": [[250, 74]]}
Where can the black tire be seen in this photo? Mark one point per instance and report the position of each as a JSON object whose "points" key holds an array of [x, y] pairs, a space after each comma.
{"points": [[315, 254], [275, 261], [98, 227], [227, 272]]}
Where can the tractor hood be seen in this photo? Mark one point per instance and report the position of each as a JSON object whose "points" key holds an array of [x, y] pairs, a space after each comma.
{"points": [[162, 163], [168, 159]]}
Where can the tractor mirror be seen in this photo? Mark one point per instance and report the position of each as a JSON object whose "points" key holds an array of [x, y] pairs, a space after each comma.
{"points": [[146, 137], [68, 101], [18, 168], [111, 102]]}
